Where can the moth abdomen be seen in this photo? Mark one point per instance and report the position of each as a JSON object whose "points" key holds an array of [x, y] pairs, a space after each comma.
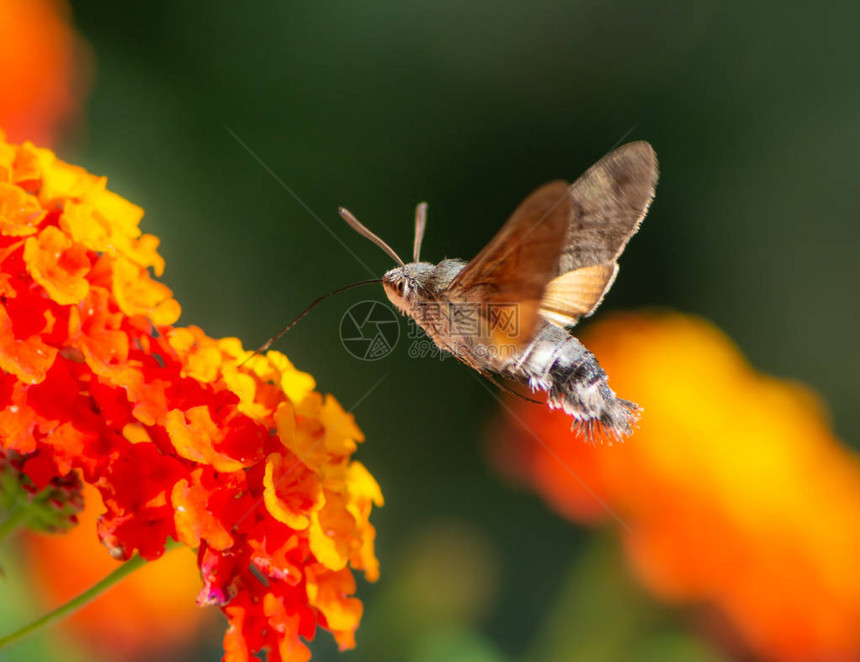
{"points": [[577, 384]]}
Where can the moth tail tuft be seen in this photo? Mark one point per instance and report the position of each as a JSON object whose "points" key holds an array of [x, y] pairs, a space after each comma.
{"points": [[604, 419], [613, 425]]}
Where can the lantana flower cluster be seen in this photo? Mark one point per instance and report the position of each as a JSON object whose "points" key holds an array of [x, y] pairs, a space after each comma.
{"points": [[183, 435]]}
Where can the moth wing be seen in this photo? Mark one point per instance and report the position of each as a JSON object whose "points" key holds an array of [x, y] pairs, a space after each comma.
{"points": [[608, 203], [577, 293], [508, 277]]}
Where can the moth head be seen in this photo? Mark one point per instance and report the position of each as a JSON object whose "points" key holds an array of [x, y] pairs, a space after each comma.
{"points": [[404, 285]]}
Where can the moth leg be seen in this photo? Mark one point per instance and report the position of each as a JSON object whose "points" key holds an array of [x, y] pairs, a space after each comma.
{"points": [[467, 360], [484, 373], [489, 376], [460, 357]]}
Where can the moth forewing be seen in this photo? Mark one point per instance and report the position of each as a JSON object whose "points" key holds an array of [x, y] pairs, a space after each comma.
{"points": [[608, 202], [607, 205], [511, 273]]}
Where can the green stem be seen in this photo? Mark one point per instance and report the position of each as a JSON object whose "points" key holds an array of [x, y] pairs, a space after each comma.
{"points": [[80, 600], [13, 521]]}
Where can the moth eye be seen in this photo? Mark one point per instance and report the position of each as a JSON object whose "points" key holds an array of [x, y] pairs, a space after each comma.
{"points": [[401, 287]]}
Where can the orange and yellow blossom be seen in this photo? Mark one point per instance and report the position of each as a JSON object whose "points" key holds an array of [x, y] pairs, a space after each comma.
{"points": [[735, 491], [244, 462]]}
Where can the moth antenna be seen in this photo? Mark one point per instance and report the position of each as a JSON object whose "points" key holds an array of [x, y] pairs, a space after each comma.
{"points": [[262, 348], [420, 224], [356, 225]]}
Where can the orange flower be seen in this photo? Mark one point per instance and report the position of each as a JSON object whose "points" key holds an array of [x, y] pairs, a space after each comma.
{"points": [[43, 68], [734, 492], [58, 264], [183, 435]]}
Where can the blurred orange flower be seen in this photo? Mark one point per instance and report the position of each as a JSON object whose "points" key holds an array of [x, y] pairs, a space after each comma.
{"points": [[44, 68], [734, 492], [149, 613], [184, 436]]}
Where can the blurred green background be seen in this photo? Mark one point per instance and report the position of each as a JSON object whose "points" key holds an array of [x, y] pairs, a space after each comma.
{"points": [[751, 107]]}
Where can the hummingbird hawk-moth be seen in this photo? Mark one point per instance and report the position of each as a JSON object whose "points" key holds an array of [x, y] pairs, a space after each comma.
{"points": [[508, 311]]}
